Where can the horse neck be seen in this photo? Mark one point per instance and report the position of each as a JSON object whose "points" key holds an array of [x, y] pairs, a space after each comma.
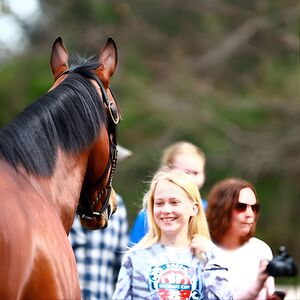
{"points": [[62, 189]]}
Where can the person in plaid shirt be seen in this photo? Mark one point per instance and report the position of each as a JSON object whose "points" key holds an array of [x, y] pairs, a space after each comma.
{"points": [[98, 253]]}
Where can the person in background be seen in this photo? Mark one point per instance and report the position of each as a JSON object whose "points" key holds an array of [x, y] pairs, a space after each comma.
{"points": [[171, 262], [232, 214], [183, 156], [98, 253]]}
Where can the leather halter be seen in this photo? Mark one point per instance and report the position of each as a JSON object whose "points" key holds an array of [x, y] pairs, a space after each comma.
{"points": [[86, 209]]}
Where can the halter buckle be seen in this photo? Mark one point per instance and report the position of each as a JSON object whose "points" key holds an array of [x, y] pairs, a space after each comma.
{"points": [[113, 113]]}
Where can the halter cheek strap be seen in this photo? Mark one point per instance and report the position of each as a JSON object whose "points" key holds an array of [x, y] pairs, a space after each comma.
{"points": [[86, 209]]}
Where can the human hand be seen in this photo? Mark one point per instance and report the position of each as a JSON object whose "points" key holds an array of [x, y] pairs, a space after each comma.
{"points": [[262, 273], [201, 244], [263, 280]]}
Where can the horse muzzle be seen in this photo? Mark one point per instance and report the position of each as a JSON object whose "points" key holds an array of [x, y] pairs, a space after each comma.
{"points": [[101, 221]]}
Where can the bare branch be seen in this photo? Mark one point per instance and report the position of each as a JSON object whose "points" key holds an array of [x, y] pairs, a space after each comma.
{"points": [[217, 56]]}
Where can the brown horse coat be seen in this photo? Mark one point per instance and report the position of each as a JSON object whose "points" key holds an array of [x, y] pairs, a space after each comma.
{"points": [[37, 208]]}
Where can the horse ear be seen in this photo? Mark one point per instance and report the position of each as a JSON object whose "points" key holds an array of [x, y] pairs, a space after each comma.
{"points": [[108, 60], [59, 58]]}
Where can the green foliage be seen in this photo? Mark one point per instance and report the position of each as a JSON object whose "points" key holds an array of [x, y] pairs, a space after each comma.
{"points": [[223, 75]]}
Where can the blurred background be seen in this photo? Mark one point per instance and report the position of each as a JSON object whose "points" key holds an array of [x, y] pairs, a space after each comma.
{"points": [[221, 74]]}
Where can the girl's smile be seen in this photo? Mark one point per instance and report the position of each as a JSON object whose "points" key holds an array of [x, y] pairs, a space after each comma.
{"points": [[168, 220], [172, 209]]}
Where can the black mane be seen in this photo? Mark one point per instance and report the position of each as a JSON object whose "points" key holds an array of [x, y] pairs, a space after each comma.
{"points": [[68, 117]]}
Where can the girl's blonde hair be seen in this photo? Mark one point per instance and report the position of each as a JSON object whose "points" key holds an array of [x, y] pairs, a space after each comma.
{"points": [[197, 223], [182, 147]]}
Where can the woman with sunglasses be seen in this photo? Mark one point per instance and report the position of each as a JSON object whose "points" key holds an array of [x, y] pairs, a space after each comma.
{"points": [[232, 214]]}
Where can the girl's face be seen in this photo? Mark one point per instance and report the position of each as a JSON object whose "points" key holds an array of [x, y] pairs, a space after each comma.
{"points": [[192, 165], [244, 214], [172, 209]]}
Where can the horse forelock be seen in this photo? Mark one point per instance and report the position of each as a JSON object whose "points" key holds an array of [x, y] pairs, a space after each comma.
{"points": [[68, 117]]}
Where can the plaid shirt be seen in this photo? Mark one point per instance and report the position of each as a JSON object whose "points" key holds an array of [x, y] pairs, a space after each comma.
{"points": [[99, 253]]}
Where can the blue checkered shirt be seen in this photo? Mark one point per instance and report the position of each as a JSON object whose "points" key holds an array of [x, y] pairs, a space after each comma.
{"points": [[99, 253]]}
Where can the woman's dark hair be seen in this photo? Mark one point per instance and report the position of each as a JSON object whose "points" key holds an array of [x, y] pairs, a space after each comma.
{"points": [[222, 200]]}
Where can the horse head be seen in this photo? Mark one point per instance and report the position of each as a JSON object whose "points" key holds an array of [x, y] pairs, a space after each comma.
{"points": [[97, 199]]}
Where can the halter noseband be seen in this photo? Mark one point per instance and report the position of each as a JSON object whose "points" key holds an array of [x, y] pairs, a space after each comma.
{"points": [[85, 209]]}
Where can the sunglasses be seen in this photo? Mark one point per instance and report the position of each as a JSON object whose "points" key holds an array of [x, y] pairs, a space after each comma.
{"points": [[241, 207]]}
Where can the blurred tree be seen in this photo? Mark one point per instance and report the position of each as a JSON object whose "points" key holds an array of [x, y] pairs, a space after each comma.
{"points": [[222, 74]]}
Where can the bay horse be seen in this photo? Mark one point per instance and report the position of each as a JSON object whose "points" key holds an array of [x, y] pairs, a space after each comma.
{"points": [[57, 157]]}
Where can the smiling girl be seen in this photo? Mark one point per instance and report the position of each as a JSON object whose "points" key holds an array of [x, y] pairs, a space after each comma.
{"points": [[170, 262]]}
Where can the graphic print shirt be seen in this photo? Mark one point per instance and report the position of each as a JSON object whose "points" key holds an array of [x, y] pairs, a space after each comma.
{"points": [[165, 273]]}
